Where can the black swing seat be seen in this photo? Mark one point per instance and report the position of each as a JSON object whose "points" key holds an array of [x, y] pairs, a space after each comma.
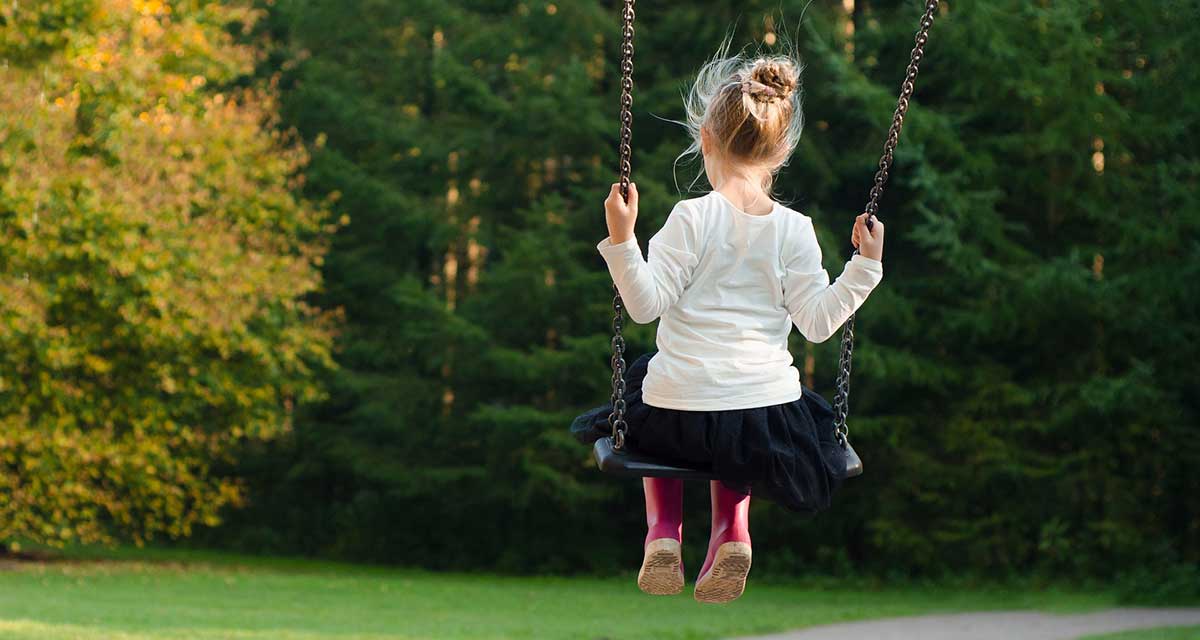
{"points": [[630, 464], [854, 466]]}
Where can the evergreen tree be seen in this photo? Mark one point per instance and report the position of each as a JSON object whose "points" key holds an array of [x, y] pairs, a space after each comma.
{"points": [[1021, 381]]}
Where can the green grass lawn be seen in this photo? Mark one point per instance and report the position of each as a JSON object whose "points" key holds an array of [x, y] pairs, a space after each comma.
{"points": [[154, 594], [1169, 633]]}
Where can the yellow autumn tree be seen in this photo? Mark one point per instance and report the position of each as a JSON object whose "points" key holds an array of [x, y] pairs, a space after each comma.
{"points": [[154, 261]]}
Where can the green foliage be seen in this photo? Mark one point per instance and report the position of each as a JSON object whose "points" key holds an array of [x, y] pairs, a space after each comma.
{"points": [[153, 266], [1023, 392], [1178, 584], [1024, 384]]}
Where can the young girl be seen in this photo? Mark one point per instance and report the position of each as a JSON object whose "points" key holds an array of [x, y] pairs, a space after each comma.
{"points": [[728, 275]]}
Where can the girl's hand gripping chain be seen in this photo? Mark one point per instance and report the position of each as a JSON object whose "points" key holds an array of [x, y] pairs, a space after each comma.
{"points": [[619, 214], [869, 242]]}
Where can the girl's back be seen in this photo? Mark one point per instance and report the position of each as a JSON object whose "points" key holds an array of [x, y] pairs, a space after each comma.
{"points": [[723, 344], [728, 286]]}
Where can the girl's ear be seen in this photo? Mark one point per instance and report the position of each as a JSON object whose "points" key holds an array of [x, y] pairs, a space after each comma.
{"points": [[705, 140]]}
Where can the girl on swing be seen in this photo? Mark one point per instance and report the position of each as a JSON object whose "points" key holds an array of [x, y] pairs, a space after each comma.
{"points": [[728, 275]]}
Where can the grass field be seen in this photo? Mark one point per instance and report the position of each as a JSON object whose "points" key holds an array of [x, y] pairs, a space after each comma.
{"points": [[202, 596]]}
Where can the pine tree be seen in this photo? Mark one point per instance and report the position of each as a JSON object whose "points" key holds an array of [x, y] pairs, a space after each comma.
{"points": [[1021, 381]]}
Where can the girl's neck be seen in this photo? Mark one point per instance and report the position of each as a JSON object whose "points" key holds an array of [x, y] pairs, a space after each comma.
{"points": [[746, 194]]}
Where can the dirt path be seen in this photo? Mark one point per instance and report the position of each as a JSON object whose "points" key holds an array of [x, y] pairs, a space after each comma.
{"points": [[1001, 625]]}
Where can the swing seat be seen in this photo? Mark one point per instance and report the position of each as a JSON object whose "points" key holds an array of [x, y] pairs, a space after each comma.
{"points": [[630, 464], [854, 465]]}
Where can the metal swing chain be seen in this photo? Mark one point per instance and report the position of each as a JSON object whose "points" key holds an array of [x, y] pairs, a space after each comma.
{"points": [[616, 419], [841, 400]]}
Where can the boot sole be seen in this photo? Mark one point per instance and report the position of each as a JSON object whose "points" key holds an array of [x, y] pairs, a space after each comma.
{"points": [[662, 570], [726, 579]]}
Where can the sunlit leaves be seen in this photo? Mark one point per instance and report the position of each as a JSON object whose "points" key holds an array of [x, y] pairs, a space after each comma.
{"points": [[155, 263]]}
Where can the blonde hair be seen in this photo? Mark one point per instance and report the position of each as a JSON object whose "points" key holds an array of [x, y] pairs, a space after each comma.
{"points": [[750, 107]]}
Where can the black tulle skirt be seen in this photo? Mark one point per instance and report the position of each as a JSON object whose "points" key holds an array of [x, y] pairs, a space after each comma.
{"points": [[786, 453]]}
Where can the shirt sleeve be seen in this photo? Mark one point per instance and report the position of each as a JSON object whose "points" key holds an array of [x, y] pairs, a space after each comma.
{"points": [[817, 307], [649, 287]]}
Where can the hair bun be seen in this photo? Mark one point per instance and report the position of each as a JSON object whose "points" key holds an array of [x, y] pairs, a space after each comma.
{"points": [[770, 80]]}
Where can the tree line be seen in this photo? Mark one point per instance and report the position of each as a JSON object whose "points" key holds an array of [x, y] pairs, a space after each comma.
{"points": [[349, 302]]}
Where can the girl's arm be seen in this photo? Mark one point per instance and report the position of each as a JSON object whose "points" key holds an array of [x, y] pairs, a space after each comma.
{"points": [[649, 287], [817, 307]]}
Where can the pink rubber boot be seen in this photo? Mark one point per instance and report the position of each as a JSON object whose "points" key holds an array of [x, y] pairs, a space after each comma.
{"points": [[662, 564], [723, 577]]}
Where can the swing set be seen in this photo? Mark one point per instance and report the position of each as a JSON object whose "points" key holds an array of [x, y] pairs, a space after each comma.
{"points": [[611, 453]]}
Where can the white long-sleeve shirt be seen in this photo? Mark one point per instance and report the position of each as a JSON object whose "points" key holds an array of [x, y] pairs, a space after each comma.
{"points": [[728, 286]]}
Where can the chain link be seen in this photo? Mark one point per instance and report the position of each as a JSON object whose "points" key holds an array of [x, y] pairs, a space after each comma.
{"points": [[616, 419], [841, 401]]}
